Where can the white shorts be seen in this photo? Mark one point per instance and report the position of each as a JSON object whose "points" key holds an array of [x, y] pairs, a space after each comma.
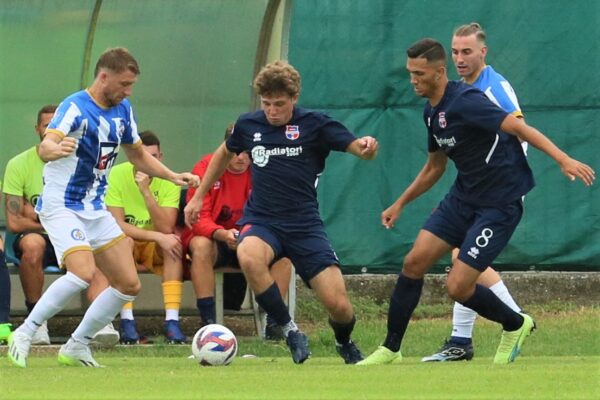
{"points": [[70, 232]]}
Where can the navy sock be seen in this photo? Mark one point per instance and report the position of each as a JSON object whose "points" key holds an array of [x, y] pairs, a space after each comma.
{"points": [[403, 302], [489, 306], [270, 300], [206, 306], [460, 340], [271, 321], [4, 290], [342, 330]]}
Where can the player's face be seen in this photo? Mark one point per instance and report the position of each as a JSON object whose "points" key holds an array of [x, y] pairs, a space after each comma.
{"points": [[44, 122], [117, 86], [154, 151], [468, 55], [239, 163], [423, 76], [278, 108]]}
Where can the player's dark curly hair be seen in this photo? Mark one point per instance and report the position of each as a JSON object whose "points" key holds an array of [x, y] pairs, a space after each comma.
{"points": [[429, 49], [276, 78]]}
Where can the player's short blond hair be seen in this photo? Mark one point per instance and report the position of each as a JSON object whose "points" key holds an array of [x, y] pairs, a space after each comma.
{"points": [[471, 29], [276, 78]]}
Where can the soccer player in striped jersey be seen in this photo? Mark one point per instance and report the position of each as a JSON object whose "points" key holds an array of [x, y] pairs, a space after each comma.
{"points": [[80, 146], [468, 53]]}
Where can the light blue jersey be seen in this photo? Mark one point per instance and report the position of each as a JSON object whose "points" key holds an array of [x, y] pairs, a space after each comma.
{"points": [[78, 182], [498, 90]]}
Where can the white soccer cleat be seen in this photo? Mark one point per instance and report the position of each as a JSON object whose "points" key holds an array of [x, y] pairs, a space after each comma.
{"points": [[76, 354], [106, 337], [18, 348], [41, 336]]}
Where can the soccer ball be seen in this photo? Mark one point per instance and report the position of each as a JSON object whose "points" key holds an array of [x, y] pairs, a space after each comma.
{"points": [[214, 345]]}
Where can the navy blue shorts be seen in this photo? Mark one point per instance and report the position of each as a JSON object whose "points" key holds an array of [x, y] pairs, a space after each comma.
{"points": [[307, 246], [480, 233]]}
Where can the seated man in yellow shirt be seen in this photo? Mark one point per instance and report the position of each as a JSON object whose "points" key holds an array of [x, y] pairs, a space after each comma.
{"points": [[146, 210]]}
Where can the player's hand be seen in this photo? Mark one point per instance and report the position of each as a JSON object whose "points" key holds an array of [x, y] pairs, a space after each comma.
{"points": [[171, 245], [191, 211], [66, 146], [187, 179], [390, 215], [575, 169], [231, 238], [142, 180], [368, 146]]}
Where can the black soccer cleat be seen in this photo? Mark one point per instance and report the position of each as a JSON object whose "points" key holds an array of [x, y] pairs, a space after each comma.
{"points": [[451, 351], [349, 352], [298, 344]]}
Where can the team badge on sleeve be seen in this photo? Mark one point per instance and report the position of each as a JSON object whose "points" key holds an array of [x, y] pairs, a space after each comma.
{"points": [[292, 132]]}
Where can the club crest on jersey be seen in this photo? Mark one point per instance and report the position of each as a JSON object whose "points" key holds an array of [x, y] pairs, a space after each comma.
{"points": [[292, 132], [442, 120]]}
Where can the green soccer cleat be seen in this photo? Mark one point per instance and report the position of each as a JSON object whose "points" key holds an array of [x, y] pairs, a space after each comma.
{"points": [[381, 356], [4, 332], [511, 342]]}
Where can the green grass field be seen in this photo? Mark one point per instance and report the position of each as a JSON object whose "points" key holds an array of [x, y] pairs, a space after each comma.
{"points": [[561, 360]]}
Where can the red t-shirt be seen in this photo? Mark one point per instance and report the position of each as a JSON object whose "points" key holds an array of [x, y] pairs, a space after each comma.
{"points": [[222, 206]]}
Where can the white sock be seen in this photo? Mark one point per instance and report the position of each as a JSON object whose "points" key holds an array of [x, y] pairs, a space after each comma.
{"points": [[171, 314], [127, 313], [463, 320], [502, 293], [290, 326], [101, 312], [54, 299]]}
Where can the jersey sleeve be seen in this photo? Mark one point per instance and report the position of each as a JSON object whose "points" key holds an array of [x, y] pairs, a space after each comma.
{"points": [[13, 179], [502, 94], [335, 134], [235, 143], [479, 111], [130, 134], [66, 118]]}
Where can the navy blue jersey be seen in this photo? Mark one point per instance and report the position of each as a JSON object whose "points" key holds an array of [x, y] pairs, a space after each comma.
{"points": [[286, 162], [492, 168]]}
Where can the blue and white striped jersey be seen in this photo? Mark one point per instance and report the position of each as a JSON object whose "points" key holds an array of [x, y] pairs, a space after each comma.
{"points": [[78, 182]]}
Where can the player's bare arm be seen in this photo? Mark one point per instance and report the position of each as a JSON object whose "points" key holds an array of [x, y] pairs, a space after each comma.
{"points": [[169, 242], [569, 166], [55, 146], [216, 168], [163, 218], [16, 219], [146, 163], [431, 172], [365, 147]]}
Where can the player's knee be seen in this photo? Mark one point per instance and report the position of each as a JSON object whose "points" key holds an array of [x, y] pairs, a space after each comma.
{"points": [[413, 267], [458, 291], [131, 288], [33, 258]]}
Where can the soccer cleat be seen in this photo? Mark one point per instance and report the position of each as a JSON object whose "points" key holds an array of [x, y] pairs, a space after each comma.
{"points": [[76, 354], [173, 332], [129, 334], [349, 352], [298, 344], [41, 336], [511, 342], [381, 356], [106, 337], [4, 332], [18, 348], [451, 351]]}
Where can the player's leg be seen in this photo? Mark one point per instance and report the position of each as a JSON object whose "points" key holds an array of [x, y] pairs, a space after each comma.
{"points": [[31, 248], [107, 336], [427, 249], [330, 288], [172, 287], [204, 256], [281, 271]]}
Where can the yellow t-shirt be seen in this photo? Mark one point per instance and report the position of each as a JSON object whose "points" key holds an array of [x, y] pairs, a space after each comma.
{"points": [[123, 192], [23, 176]]}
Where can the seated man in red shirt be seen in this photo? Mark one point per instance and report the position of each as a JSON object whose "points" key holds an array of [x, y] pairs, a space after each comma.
{"points": [[212, 241]]}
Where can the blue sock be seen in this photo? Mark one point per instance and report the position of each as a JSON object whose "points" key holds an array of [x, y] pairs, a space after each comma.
{"points": [[489, 306], [460, 340], [270, 300], [404, 300], [4, 290], [206, 306]]}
